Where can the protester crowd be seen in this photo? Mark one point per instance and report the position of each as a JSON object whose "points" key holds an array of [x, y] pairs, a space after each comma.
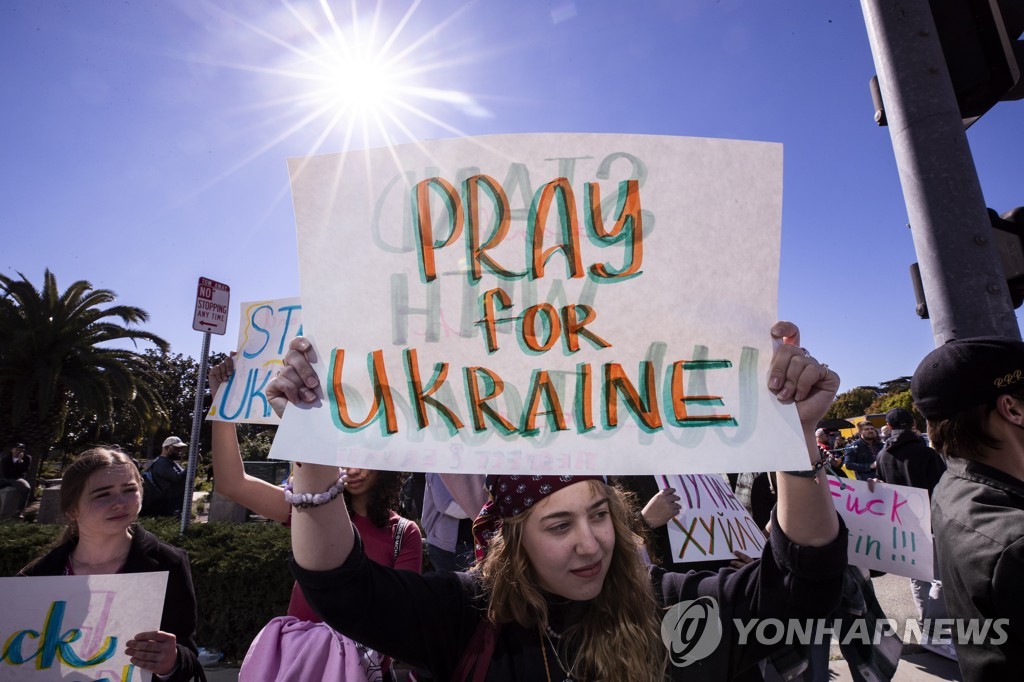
{"points": [[539, 577]]}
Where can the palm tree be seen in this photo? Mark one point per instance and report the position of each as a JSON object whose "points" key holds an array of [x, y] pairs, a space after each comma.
{"points": [[55, 352]]}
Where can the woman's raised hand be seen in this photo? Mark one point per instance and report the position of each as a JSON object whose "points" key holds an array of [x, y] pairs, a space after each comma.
{"points": [[296, 382], [795, 376], [220, 373], [661, 508]]}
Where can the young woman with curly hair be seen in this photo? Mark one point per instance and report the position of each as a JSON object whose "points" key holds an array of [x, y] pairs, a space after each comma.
{"points": [[562, 593]]}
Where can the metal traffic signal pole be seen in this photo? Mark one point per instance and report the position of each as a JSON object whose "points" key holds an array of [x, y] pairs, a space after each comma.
{"points": [[962, 276]]}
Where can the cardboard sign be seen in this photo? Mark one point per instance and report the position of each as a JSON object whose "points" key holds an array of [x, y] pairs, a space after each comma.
{"points": [[265, 331], [76, 627], [542, 304], [890, 528], [712, 523]]}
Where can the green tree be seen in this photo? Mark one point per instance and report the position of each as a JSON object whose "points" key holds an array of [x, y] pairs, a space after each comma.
{"points": [[56, 352], [898, 385], [903, 399], [175, 380], [178, 376], [852, 403], [254, 441]]}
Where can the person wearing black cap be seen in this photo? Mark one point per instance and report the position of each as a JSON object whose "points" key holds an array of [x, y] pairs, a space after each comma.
{"points": [[907, 460], [14, 464], [971, 391]]}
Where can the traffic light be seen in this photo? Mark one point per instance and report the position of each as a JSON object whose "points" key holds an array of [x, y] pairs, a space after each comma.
{"points": [[984, 57], [979, 42], [1008, 232]]}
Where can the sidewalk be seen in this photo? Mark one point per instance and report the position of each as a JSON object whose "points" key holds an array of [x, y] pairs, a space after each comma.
{"points": [[916, 664], [913, 667]]}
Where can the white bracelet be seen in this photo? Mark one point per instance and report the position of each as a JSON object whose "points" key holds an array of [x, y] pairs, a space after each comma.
{"points": [[313, 499]]}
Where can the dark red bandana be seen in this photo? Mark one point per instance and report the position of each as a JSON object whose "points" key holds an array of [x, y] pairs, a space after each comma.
{"points": [[511, 495]]}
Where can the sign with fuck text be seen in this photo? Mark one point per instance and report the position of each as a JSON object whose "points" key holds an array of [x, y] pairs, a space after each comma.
{"points": [[551, 303], [890, 527], [712, 523], [265, 329], [76, 627]]}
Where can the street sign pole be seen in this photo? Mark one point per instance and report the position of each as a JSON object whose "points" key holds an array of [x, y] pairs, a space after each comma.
{"points": [[193, 441], [963, 278], [211, 317]]}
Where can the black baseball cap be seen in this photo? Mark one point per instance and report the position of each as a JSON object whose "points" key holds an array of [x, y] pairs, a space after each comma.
{"points": [[899, 418], [967, 373]]}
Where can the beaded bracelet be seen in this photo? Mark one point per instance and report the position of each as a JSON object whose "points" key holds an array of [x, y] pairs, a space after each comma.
{"points": [[826, 461], [313, 499]]}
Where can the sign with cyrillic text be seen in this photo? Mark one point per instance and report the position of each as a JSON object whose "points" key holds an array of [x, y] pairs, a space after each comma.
{"points": [[542, 304], [712, 523]]}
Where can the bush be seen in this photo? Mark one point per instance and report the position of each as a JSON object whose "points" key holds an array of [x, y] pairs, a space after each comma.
{"points": [[240, 572], [21, 542]]}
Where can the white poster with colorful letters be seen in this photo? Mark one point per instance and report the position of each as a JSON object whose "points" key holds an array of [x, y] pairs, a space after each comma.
{"points": [[545, 303], [712, 523], [76, 627], [266, 329], [890, 528]]}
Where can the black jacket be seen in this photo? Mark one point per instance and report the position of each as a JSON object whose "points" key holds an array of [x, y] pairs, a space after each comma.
{"points": [[430, 620], [14, 470], [907, 460], [148, 554], [978, 517]]}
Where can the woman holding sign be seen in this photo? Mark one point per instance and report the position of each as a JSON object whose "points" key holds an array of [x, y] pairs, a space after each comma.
{"points": [[371, 496], [101, 495], [561, 592]]}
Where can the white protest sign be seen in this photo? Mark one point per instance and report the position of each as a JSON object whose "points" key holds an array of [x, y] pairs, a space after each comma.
{"points": [[542, 304], [890, 528], [264, 332], [712, 523], [76, 627]]}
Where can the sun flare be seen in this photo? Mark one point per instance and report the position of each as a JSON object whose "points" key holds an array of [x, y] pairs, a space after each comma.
{"points": [[349, 75]]}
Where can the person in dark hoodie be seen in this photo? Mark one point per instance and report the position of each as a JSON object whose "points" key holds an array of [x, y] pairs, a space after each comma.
{"points": [[907, 460]]}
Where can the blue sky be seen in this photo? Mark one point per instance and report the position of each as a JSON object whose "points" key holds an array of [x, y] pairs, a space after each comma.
{"points": [[146, 142]]}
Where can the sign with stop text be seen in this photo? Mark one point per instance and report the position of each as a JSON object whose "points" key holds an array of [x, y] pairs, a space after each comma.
{"points": [[542, 304], [212, 300], [76, 627], [264, 332]]}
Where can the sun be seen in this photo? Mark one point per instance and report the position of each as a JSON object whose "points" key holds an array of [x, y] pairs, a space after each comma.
{"points": [[361, 78], [364, 84]]}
